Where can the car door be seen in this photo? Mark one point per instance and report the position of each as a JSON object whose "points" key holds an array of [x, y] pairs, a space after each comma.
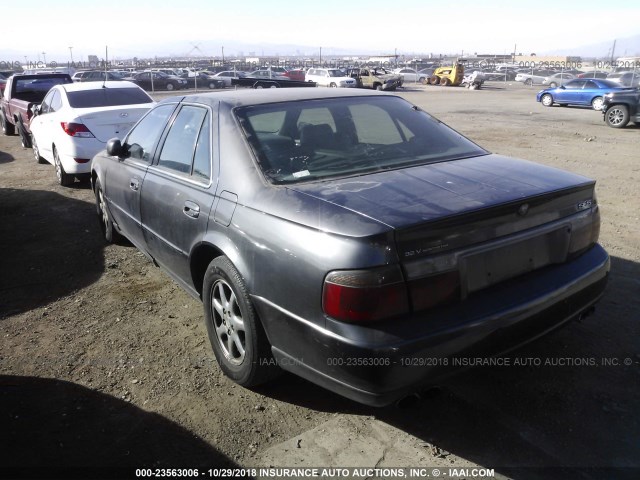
{"points": [[123, 181], [178, 190], [49, 124], [144, 80], [589, 92], [570, 92], [41, 125]]}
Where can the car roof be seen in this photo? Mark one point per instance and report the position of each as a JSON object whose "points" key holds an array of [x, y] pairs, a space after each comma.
{"points": [[240, 98], [75, 87]]}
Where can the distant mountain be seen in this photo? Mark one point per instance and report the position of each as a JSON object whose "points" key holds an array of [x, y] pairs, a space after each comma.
{"points": [[625, 47]]}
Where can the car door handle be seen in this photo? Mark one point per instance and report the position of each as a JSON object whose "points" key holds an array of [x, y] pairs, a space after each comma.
{"points": [[191, 209], [134, 184]]}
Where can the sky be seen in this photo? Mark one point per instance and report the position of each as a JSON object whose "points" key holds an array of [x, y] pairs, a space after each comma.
{"points": [[142, 28]]}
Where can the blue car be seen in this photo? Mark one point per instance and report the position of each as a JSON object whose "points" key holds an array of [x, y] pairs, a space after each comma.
{"points": [[580, 91]]}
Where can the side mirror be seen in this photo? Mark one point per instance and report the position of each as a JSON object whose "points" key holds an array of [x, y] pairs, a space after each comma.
{"points": [[115, 148], [35, 110], [562, 87]]}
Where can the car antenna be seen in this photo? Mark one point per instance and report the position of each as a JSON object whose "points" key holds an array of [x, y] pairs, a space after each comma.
{"points": [[106, 61]]}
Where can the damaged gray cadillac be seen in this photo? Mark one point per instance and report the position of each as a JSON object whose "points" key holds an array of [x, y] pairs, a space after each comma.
{"points": [[349, 237]]}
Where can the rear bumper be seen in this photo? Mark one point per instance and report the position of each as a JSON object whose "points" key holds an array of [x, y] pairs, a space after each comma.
{"points": [[82, 148], [381, 363]]}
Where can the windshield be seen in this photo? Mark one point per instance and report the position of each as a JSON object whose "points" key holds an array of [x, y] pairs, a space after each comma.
{"points": [[319, 139], [107, 97]]}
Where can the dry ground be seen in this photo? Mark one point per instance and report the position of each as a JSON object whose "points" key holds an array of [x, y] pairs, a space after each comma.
{"points": [[104, 361]]}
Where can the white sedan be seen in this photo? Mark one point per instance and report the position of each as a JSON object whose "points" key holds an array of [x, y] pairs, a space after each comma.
{"points": [[228, 75], [330, 77], [409, 75], [75, 120]]}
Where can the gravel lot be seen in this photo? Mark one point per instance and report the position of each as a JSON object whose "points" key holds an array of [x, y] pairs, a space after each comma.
{"points": [[105, 362]]}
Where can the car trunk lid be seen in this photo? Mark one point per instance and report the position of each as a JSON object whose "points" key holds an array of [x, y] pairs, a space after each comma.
{"points": [[476, 221], [109, 122]]}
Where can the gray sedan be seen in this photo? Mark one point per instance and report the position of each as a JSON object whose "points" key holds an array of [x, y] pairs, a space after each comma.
{"points": [[348, 236]]}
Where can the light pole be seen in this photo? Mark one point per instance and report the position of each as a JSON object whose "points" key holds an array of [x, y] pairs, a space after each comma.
{"points": [[223, 55], [71, 54], [44, 55], [320, 56]]}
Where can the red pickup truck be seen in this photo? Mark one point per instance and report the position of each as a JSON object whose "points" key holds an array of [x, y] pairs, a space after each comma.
{"points": [[20, 94]]}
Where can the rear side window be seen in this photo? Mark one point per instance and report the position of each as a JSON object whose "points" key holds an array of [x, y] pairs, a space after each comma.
{"points": [[107, 97], [179, 149], [56, 102]]}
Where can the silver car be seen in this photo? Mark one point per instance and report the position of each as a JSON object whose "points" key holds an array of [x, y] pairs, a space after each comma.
{"points": [[348, 236]]}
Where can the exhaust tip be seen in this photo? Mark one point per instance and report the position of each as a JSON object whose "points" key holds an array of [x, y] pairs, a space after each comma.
{"points": [[587, 312]]}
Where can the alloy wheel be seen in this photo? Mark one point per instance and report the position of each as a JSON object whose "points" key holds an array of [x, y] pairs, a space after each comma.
{"points": [[228, 322]]}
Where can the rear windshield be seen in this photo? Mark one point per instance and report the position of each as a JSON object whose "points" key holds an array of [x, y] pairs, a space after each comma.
{"points": [[316, 139], [609, 83], [107, 97], [34, 89]]}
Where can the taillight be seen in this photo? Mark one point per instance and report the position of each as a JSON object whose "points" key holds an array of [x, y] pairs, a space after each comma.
{"points": [[365, 295], [76, 130], [585, 228]]}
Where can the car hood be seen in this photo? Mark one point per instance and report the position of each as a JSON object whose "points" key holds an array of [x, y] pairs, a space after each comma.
{"points": [[410, 196]]}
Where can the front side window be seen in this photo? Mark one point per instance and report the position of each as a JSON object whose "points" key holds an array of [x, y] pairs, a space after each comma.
{"points": [[575, 85], [142, 139], [316, 140]]}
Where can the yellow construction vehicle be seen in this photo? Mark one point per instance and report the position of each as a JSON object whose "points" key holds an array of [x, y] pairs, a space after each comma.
{"points": [[448, 76]]}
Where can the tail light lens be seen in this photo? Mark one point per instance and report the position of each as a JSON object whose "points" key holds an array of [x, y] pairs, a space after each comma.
{"points": [[76, 130], [365, 295]]}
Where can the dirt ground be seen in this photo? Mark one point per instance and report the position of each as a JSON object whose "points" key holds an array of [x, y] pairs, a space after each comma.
{"points": [[105, 362]]}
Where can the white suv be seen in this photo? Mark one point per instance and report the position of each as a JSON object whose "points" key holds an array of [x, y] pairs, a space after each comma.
{"points": [[329, 77]]}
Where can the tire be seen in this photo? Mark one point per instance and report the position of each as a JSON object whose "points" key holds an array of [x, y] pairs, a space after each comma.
{"points": [[235, 332], [25, 138], [64, 178], [109, 233], [617, 116], [36, 151], [596, 103], [546, 100], [7, 128], [434, 80], [377, 86], [170, 86], [528, 82], [212, 85], [444, 81], [423, 80], [553, 85], [333, 85]]}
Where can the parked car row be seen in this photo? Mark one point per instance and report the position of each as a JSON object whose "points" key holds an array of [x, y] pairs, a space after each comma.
{"points": [[554, 79], [67, 123], [619, 105]]}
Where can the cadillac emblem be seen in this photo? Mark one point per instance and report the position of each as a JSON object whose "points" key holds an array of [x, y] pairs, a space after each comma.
{"points": [[523, 210]]}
